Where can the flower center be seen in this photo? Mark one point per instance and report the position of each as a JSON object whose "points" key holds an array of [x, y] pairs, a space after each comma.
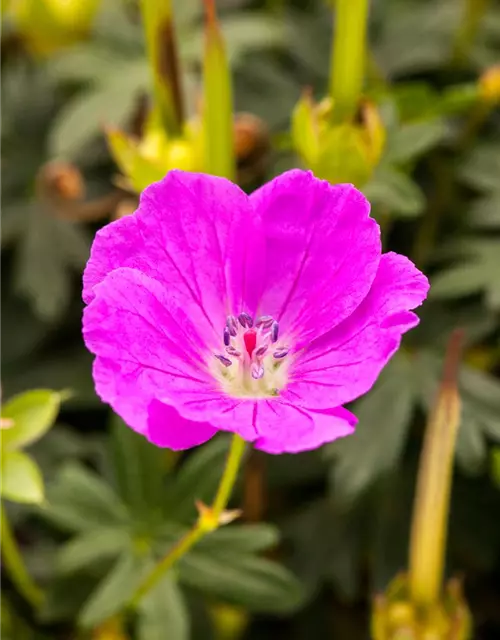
{"points": [[253, 361]]}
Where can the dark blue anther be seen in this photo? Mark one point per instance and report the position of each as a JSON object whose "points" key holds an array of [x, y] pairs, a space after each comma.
{"points": [[281, 353], [246, 320], [232, 325], [225, 361], [227, 336], [275, 329], [265, 322], [261, 350]]}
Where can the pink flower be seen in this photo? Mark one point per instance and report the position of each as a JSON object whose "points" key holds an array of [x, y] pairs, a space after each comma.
{"points": [[261, 315]]}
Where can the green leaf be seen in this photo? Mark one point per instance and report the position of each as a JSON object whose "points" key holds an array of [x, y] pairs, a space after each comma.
{"points": [[33, 413], [477, 272], [413, 140], [43, 277], [327, 544], [21, 478], [485, 212], [250, 538], [65, 596], [108, 104], [163, 613], [471, 449], [495, 466], [22, 334], [198, 479], [138, 468], [481, 168], [254, 583], [113, 592], [71, 368], [396, 192], [80, 501], [461, 280], [386, 412], [92, 547]]}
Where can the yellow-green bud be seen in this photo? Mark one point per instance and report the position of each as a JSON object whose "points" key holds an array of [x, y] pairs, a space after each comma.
{"points": [[148, 160], [337, 152], [489, 85], [396, 617], [46, 26]]}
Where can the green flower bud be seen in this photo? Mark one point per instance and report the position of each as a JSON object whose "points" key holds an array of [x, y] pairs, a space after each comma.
{"points": [[337, 152], [49, 25], [148, 160], [396, 617]]}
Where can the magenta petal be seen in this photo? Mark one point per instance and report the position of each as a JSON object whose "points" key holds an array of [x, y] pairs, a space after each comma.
{"points": [[290, 429], [197, 235], [146, 346], [345, 363], [236, 415], [322, 252], [166, 428]]}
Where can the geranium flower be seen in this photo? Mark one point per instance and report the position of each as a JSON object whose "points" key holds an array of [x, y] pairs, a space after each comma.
{"points": [[261, 315]]}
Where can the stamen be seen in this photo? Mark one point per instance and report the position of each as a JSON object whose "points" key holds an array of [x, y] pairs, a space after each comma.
{"points": [[232, 325], [227, 336], [245, 320], [280, 353], [233, 352], [275, 328], [257, 371], [265, 322], [225, 361], [261, 350]]}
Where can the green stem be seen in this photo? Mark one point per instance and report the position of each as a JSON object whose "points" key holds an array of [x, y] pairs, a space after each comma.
{"points": [[432, 498], [15, 565], [162, 53], [467, 31], [229, 476], [217, 101], [348, 57], [204, 525]]}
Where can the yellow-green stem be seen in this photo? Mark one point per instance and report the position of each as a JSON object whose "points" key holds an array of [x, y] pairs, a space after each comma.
{"points": [[431, 507], [229, 476], [347, 69], [203, 526], [162, 53], [474, 11], [217, 101], [15, 566]]}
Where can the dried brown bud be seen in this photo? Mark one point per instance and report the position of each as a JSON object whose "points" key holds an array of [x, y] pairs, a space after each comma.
{"points": [[60, 181], [125, 208], [252, 146]]}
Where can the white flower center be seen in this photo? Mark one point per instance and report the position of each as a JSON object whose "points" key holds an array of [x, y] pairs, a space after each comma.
{"points": [[253, 362]]}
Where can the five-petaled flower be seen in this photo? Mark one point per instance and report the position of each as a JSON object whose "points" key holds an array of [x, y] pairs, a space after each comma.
{"points": [[261, 315]]}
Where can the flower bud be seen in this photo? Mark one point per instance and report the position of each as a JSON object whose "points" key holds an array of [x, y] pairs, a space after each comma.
{"points": [[395, 617], [230, 622], [60, 181], [148, 160], [124, 208], [337, 152], [46, 26], [252, 147], [489, 85], [112, 629]]}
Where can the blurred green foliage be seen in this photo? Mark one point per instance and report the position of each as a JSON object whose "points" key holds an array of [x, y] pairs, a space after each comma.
{"points": [[325, 529]]}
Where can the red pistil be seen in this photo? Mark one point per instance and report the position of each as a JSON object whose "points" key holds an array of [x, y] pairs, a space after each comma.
{"points": [[250, 339]]}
